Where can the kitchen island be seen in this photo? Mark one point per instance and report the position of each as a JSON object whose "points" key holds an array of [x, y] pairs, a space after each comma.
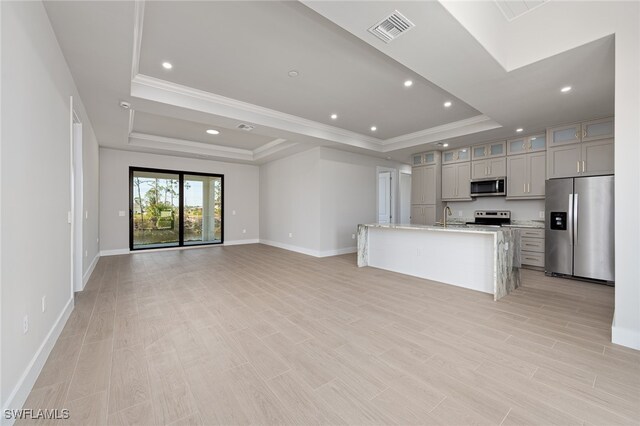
{"points": [[479, 258]]}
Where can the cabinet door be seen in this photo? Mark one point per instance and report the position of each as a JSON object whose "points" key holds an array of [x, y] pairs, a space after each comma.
{"points": [[497, 167], [464, 154], [517, 146], [417, 183], [479, 169], [429, 158], [417, 159], [564, 135], [597, 157], [429, 185], [464, 181], [417, 215], [479, 152], [564, 161], [597, 130], [537, 168], [449, 182], [497, 149], [516, 176], [429, 215], [537, 143]]}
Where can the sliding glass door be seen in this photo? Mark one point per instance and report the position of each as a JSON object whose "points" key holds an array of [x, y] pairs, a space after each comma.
{"points": [[172, 209]]}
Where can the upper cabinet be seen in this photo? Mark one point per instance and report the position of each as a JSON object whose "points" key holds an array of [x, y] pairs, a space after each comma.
{"points": [[588, 152], [526, 144], [495, 149], [459, 155], [456, 180], [526, 176], [489, 168], [425, 159]]}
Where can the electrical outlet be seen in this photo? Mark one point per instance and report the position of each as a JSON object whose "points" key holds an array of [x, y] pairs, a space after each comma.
{"points": [[459, 213], [97, 240], [290, 235], [233, 212], [121, 213], [86, 253], [86, 214], [353, 236], [44, 303], [541, 214], [25, 324], [68, 217], [244, 231]]}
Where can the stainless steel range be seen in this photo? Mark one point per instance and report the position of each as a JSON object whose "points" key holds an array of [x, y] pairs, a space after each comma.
{"points": [[491, 218]]}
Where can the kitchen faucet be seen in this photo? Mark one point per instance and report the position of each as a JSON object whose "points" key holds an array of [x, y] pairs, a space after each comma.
{"points": [[447, 212]]}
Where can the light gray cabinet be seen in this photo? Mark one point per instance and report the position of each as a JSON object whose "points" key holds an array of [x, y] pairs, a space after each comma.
{"points": [[426, 158], [597, 157], [525, 144], [423, 214], [458, 155], [494, 149], [598, 129], [456, 180], [526, 176], [531, 247], [426, 203], [489, 168]]}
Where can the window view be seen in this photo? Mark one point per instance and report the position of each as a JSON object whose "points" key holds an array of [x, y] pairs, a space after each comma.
{"points": [[174, 209], [202, 209]]}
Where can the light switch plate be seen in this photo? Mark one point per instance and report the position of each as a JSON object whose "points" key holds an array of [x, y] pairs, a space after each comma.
{"points": [[541, 214], [121, 213]]}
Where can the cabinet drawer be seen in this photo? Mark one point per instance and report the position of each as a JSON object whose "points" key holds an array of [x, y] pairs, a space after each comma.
{"points": [[532, 258], [532, 244], [534, 233]]}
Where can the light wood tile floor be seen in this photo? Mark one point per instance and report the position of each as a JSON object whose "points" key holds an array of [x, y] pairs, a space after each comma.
{"points": [[254, 334]]}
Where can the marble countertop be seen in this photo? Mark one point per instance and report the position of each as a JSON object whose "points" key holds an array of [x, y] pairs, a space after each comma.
{"points": [[537, 224], [454, 227]]}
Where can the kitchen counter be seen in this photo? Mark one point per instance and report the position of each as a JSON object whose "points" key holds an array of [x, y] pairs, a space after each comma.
{"points": [[481, 258]]}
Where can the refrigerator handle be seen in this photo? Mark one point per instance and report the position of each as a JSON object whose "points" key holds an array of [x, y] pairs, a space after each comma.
{"points": [[575, 217], [570, 218]]}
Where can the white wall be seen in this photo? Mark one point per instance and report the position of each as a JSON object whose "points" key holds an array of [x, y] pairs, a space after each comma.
{"points": [[320, 196], [520, 209], [36, 196], [240, 194], [290, 202]]}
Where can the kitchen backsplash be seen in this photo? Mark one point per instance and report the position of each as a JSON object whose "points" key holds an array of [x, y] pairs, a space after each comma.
{"points": [[520, 209]]}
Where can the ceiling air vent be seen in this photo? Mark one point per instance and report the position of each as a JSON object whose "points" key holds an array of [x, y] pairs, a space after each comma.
{"points": [[391, 27], [245, 127]]}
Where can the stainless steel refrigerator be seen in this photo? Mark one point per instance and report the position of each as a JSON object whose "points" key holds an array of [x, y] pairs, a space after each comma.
{"points": [[579, 231]]}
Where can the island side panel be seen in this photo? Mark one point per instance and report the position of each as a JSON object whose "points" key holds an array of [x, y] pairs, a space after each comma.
{"points": [[363, 245], [458, 258], [507, 267]]}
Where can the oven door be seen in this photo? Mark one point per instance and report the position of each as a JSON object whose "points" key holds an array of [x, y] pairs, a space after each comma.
{"points": [[483, 188]]}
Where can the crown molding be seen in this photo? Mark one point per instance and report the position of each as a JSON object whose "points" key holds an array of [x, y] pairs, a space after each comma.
{"points": [[138, 16], [144, 140], [154, 89], [479, 123]]}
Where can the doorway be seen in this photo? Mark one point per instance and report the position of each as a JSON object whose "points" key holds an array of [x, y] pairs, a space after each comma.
{"points": [[77, 203], [405, 198], [174, 208], [385, 195]]}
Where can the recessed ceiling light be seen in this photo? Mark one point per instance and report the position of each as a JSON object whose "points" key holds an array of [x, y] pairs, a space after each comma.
{"points": [[213, 132], [334, 116], [293, 73], [408, 83], [374, 128], [445, 145], [565, 89], [519, 129], [447, 104], [167, 65]]}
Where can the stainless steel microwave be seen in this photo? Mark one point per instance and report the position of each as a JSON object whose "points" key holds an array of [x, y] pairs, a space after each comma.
{"points": [[488, 187]]}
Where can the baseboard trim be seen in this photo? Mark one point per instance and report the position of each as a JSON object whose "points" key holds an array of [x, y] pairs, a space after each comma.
{"points": [[115, 252], [625, 337], [21, 391], [309, 252], [240, 242], [87, 275]]}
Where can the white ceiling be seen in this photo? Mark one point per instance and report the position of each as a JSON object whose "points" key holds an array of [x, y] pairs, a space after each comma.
{"points": [[231, 61]]}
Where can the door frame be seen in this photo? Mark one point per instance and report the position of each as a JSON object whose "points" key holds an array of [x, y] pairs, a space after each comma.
{"points": [[401, 200], [394, 185], [181, 174], [76, 205]]}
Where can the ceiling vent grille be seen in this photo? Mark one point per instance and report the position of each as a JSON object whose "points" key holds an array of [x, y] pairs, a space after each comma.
{"points": [[245, 127], [391, 27]]}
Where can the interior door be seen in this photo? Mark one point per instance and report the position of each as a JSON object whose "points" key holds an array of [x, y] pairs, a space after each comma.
{"points": [[593, 228], [384, 197]]}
